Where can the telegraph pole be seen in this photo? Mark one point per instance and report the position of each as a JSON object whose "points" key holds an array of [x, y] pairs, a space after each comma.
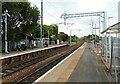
{"points": [[41, 26]]}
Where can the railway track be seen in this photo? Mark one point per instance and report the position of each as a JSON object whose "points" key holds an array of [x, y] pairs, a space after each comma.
{"points": [[38, 68], [13, 69], [31, 77]]}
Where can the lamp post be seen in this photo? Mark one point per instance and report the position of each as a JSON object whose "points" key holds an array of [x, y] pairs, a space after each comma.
{"points": [[109, 20], [48, 36], [70, 37], [95, 33], [5, 20], [70, 32], [67, 28], [92, 23], [58, 41], [41, 26]]}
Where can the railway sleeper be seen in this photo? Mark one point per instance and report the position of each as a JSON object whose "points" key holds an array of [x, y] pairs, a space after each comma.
{"points": [[70, 50], [24, 61], [49, 66], [20, 67]]}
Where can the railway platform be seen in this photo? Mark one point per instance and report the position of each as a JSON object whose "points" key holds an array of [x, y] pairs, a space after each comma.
{"points": [[15, 53], [83, 65]]}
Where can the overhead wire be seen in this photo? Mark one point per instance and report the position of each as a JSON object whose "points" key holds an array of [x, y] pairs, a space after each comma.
{"points": [[55, 8], [50, 14]]}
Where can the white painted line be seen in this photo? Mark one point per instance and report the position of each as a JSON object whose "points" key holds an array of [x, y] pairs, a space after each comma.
{"points": [[98, 54], [30, 51], [57, 65], [81, 47], [97, 71], [106, 75]]}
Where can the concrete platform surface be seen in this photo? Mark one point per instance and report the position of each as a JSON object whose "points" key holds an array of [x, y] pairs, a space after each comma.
{"points": [[90, 68], [83, 65], [62, 71]]}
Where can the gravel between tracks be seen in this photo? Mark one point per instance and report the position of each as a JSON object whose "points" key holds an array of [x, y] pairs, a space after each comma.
{"points": [[12, 77]]}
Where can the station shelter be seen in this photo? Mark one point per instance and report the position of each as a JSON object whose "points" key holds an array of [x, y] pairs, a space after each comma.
{"points": [[111, 50], [37, 42]]}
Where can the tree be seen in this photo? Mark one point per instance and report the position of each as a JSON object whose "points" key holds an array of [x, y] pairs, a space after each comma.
{"points": [[36, 31], [63, 36], [53, 31], [30, 19], [74, 38], [23, 19]]}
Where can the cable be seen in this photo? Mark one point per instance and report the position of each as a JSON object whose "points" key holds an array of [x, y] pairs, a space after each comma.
{"points": [[54, 6], [50, 14]]}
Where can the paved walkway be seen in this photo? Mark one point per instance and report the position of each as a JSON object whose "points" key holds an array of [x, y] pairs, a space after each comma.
{"points": [[62, 71], [90, 68], [81, 66]]}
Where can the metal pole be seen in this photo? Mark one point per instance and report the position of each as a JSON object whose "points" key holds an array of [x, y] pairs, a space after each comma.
{"points": [[110, 48], [48, 33], [115, 66], [26, 40], [48, 36], [41, 26], [70, 37], [92, 28], [106, 47], [105, 21], [64, 17], [99, 27], [95, 34], [99, 32], [6, 43], [78, 36], [109, 20]]}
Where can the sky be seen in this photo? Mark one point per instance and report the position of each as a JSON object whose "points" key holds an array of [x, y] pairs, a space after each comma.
{"points": [[53, 9]]}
